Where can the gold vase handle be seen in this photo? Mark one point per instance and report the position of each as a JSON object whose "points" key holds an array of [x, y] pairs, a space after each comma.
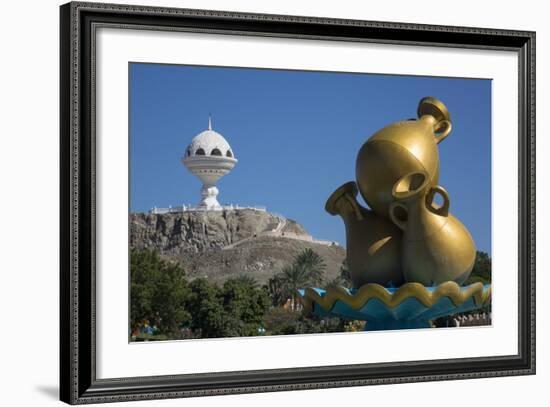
{"points": [[401, 224], [442, 130], [435, 108], [442, 210]]}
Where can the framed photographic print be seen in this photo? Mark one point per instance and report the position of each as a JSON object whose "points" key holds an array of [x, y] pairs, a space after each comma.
{"points": [[256, 203]]}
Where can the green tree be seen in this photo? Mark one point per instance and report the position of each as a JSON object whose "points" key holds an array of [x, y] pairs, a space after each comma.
{"points": [[313, 265], [236, 309], [481, 271], [307, 269], [205, 305], [277, 290], [293, 278], [158, 292], [245, 307], [248, 280]]}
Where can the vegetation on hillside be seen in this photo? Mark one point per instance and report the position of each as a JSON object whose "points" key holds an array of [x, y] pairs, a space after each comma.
{"points": [[166, 304], [306, 270]]}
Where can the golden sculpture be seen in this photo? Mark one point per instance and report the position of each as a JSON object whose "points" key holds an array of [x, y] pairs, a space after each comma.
{"points": [[374, 243], [436, 246], [401, 148], [397, 173], [407, 257]]}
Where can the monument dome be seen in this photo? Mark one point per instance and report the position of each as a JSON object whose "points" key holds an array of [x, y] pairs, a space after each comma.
{"points": [[209, 157], [209, 142]]}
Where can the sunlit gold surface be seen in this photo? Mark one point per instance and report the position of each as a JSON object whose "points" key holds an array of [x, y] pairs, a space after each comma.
{"points": [[373, 242], [401, 148], [436, 246], [356, 301], [397, 173]]}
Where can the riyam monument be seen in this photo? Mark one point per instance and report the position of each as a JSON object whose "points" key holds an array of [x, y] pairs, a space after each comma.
{"points": [[223, 241]]}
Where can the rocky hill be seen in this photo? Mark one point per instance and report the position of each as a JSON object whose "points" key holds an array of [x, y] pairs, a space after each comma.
{"points": [[224, 244]]}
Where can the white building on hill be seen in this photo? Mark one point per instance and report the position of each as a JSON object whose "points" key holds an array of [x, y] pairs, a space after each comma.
{"points": [[209, 157]]}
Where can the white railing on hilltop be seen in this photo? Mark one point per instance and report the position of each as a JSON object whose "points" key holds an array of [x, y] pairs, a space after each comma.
{"points": [[191, 208]]}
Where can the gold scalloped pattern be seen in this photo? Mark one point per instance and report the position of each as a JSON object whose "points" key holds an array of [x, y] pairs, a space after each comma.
{"points": [[449, 289]]}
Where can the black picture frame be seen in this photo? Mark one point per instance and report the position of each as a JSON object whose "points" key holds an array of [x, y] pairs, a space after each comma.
{"points": [[78, 382]]}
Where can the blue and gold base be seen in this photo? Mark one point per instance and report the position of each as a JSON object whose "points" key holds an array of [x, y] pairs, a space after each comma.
{"points": [[410, 306]]}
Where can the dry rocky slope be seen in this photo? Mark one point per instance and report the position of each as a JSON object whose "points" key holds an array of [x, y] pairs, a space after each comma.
{"points": [[224, 244]]}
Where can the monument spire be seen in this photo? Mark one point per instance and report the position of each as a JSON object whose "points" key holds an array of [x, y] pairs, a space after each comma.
{"points": [[209, 121]]}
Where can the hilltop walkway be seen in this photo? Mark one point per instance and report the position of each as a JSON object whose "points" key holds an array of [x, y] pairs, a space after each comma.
{"points": [[278, 231]]}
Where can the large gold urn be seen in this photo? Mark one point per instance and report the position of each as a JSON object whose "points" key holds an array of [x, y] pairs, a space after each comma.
{"points": [[401, 148], [436, 246], [373, 242], [406, 237]]}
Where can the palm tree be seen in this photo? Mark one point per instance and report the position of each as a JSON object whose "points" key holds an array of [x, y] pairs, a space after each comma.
{"points": [[307, 269], [247, 280], [277, 290], [313, 264], [293, 278]]}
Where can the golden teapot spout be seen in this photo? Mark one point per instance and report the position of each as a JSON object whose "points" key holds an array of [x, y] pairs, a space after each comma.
{"points": [[343, 202]]}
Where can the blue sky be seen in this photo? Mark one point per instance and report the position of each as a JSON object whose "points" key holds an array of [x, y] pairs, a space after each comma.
{"points": [[296, 135]]}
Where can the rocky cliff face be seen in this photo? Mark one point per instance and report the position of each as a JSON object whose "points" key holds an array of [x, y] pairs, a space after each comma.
{"points": [[193, 232], [224, 244]]}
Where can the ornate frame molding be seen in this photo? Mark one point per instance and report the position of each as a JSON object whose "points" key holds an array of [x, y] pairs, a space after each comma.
{"points": [[79, 384]]}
